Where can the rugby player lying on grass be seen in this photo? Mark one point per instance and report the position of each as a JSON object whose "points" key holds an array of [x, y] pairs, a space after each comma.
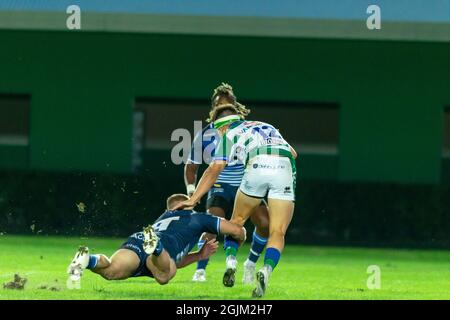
{"points": [[160, 249]]}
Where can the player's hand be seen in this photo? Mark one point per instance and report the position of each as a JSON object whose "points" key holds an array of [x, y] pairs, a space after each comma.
{"points": [[208, 249]]}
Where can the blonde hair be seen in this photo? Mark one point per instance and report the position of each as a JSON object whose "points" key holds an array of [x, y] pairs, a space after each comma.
{"points": [[175, 199]]}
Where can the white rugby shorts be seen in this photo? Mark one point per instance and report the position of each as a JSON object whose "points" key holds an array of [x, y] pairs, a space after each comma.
{"points": [[269, 175]]}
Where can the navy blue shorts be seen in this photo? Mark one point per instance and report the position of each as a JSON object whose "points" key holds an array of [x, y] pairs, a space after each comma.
{"points": [[222, 195], [135, 243]]}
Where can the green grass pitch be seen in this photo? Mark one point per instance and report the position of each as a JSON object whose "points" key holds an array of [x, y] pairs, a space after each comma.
{"points": [[303, 273]]}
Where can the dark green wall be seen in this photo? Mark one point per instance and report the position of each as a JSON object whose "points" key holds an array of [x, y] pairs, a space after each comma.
{"points": [[327, 212], [83, 86]]}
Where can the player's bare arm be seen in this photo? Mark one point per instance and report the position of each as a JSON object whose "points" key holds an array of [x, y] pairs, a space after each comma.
{"points": [[207, 250], [206, 182], [236, 231], [190, 177], [293, 152]]}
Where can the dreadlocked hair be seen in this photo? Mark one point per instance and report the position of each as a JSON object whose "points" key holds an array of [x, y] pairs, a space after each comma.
{"points": [[224, 91], [243, 111]]}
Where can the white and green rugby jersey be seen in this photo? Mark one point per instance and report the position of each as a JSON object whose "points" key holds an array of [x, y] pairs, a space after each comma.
{"points": [[245, 139]]}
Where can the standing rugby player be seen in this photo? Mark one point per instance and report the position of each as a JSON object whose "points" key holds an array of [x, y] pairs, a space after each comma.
{"points": [[222, 194], [269, 170]]}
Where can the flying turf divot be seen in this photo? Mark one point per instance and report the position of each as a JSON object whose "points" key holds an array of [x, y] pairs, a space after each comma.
{"points": [[18, 283]]}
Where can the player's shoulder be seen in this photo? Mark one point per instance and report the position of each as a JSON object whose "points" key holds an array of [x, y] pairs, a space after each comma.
{"points": [[208, 127], [235, 127]]}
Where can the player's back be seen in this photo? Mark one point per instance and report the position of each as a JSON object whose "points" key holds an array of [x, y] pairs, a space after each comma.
{"points": [[203, 149], [247, 138], [180, 230]]}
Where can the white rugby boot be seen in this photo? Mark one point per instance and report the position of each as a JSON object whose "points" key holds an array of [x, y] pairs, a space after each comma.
{"points": [[150, 240], [229, 275], [262, 279], [199, 275], [249, 272], [79, 263]]}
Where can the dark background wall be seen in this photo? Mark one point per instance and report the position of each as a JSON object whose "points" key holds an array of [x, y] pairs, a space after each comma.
{"points": [[83, 86]]}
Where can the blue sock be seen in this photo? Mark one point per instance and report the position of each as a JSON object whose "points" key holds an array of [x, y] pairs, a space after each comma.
{"points": [[201, 264], [93, 260], [257, 247], [159, 249], [272, 257], [231, 246]]}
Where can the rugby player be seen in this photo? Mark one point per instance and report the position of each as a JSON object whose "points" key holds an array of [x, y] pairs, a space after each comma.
{"points": [[160, 249], [269, 170], [221, 196]]}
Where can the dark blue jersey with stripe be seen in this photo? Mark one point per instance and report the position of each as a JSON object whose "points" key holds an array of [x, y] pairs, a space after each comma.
{"points": [[180, 230], [202, 151]]}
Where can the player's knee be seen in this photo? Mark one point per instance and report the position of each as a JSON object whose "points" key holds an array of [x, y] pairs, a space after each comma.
{"points": [[163, 280], [262, 222], [277, 233]]}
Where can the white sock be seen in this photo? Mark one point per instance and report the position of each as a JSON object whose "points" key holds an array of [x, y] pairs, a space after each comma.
{"points": [[231, 262], [249, 263], [269, 269]]}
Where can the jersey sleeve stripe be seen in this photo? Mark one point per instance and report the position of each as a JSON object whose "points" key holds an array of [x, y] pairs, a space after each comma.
{"points": [[220, 158], [218, 226]]}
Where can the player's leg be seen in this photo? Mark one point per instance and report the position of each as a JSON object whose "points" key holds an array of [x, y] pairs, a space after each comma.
{"points": [[217, 206], [260, 219], [161, 266], [200, 272], [243, 207], [281, 196], [122, 265], [280, 215], [159, 262]]}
